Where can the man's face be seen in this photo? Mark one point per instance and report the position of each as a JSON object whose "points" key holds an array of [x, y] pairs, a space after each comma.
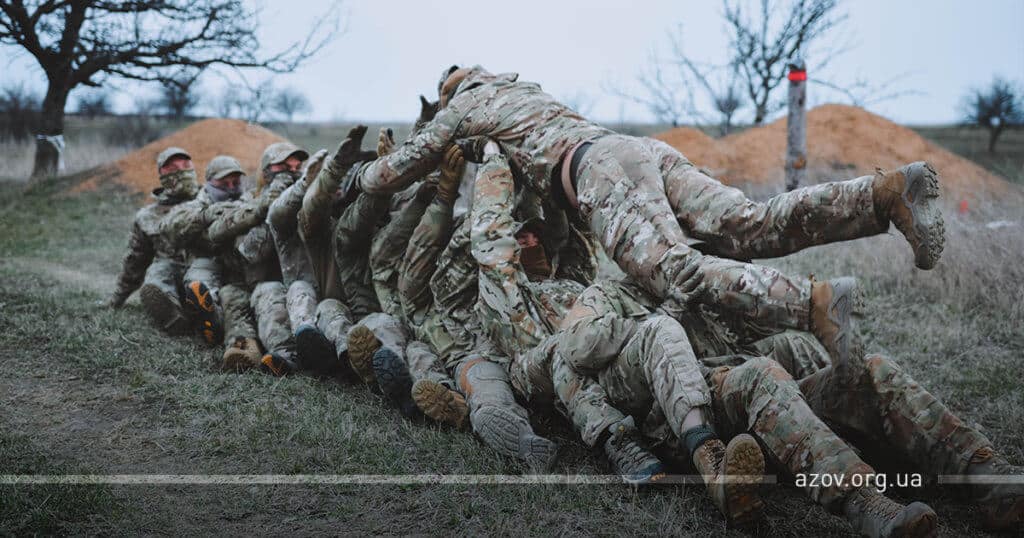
{"points": [[176, 163], [229, 182], [291, 164], [527, 239]]}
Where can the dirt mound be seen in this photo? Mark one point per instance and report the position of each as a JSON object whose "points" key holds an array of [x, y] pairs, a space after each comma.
{"points": [[203, 139], [842, 142]]}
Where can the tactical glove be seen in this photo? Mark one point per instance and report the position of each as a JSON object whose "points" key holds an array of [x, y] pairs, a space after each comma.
{"points": [[385, 142], [452, 167]]}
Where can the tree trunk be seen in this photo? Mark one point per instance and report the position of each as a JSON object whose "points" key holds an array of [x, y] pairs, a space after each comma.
{"points": [[50, 139], [760, 113], [993, 136], [796, 128]]}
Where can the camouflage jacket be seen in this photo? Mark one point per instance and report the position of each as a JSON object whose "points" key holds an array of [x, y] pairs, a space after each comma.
{"points": [[146, 243], [387, 254], [282, 221], [533, 129], [515, 313]]}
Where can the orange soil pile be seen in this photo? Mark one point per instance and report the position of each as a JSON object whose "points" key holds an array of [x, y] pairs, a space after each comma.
{"points": [[842, 142], [204, 140]]}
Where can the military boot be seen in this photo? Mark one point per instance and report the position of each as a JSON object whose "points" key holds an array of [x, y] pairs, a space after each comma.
{"points": [[315, 352], [510, 434], [277, 364], [634, 463], [440, 403], [203, 307], [242, 354], [909, 198], [833, 303], [394, 380], [164, 310], [362, 344], [874, 514], [732, 475], [1001, 501]]}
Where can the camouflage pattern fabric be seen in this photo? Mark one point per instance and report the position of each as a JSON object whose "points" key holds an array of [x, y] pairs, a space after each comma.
{"points": [[206, 270], [269, 304], [239, 321], [798, 352], [389, 246], [425, 364], [165, 275], [316, 221], [145, 244], [302, 304], [887, 408], [282, 220], [353, 236], [388, 329], [334, 320], [761, 398]]}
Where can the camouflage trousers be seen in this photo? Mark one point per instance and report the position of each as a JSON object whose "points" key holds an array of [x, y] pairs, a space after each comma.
{"points": [[650, 208], [335, 321], [164, 282], [239, 321], [269, 302], [880, 404]]}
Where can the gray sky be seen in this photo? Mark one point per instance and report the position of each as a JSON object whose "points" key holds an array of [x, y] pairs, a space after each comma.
{"points": [[392, 51]]}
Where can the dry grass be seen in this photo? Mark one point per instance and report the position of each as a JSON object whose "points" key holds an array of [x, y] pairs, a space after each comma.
{"points": [[81, 154]]}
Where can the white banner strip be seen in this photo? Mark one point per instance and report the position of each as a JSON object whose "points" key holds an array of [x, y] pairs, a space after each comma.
{"points": [[356, 479]]}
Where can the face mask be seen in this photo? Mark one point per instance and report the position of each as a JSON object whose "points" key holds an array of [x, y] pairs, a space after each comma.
{"points": [[286, 176], [219, 195], [535, 262], [180, 184]]}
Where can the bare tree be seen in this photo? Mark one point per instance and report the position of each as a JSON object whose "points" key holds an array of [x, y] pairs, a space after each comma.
{"points": [[762, 48], [666, 94], [289, 101], [253, 101], [996, 107], [179, 95], [19, 112], [86, 42], [94, 103], [580, 101]]}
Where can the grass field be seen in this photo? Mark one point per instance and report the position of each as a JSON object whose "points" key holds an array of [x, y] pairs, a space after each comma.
{"points": [[91, 390]]}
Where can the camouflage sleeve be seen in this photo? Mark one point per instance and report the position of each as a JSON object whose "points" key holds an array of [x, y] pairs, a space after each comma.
{"points": [[355, 227], [391, 243], [230, 220], [183, 223], [283, 212], [316, 204], [133, 271], [504, 298], [428, 241], [421, 154]]}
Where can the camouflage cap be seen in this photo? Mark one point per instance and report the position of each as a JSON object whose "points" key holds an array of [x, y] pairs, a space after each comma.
{"points": [[222, 166], [166, 155], [278, 152]]}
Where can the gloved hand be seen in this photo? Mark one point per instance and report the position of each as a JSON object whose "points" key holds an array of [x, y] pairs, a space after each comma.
{"points": [[688, 285], [313, 166], [428, 109], [349, 152], [385, 142], [452, 167]]}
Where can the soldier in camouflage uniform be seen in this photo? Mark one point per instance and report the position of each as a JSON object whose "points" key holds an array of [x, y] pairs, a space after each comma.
{"points": [[157, 265], [650, 208]]}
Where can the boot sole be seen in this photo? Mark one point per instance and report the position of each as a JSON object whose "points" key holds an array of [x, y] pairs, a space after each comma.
{"points": [[163, 310], [918, 520], [499, 429], [440, 403], [200, 301], [394, 381], [743, 469], [362, 344], [927, 235], [315, 351]]}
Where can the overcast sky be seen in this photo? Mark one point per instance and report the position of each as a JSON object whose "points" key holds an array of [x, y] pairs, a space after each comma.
{"points": [[392, 51]]}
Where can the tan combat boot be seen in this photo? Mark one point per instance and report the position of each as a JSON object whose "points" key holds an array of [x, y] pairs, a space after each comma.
{"points": [[242, 354], [908, 197], [362, 344], [733, 475], [441, 403], [833, 303], [164, 310], [874, 514], [1001, 501]]}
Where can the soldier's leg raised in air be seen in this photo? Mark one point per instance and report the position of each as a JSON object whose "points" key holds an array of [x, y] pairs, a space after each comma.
{"points": [[334, 320], [202, 282], [270, 305], [495, 415], [315, 352], [798, 352], [881, 403], [733, 226], [160, 296], [761, 398], [243, 349], [433, 390]]}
